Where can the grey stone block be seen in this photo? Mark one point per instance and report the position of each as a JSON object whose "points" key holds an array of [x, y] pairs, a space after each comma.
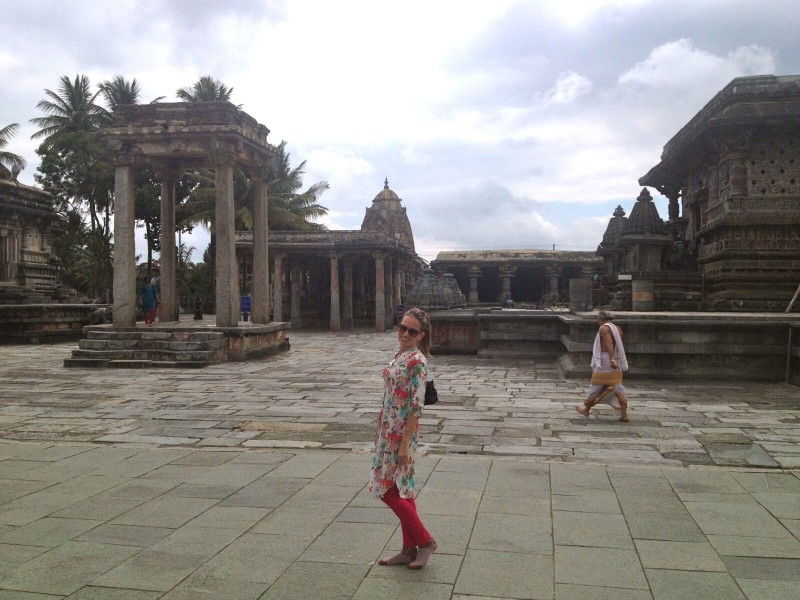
{"points": [[378, 589], [512, 533], [322, 580], [686, 556], [605, 567], [679, 585], [591, 529], [752, 567], [349, 543], [505, 575], [67, 568], [759, 589]]}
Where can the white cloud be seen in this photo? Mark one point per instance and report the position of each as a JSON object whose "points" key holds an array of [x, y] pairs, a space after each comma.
{"points": [[562, 105], [569, 87], [679, 65]]}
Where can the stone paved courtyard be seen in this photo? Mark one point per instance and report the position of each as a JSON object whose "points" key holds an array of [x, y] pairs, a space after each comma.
{"points": [[247, 481], [325, 393]]}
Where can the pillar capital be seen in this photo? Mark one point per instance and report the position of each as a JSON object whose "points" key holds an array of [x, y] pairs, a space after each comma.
{"points": [[507, 270], [552, 270]]}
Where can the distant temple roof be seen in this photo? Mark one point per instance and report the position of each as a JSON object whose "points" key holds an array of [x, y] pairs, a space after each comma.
{"points": [[644, 218], [762, 100], [489, 256], [386, 193]]}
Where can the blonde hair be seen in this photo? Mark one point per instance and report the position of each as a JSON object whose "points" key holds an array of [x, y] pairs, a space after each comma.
{"points": [[420, 315]]}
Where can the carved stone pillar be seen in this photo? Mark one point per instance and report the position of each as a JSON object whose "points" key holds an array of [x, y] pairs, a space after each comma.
{"points": [[396, 288], [226, 268], [295, 285], [336, 322], [347, 297], [474, 273], [380, 300], [168, 289], [277, 288], [552, 273], [360, 294], [506, 273], [738, 174], [388, 294], [124, 249], [673, 194], [260, 253]]}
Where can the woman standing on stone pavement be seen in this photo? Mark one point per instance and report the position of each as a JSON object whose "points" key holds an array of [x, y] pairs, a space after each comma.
{"points": [[147, 296], [392, 476]]}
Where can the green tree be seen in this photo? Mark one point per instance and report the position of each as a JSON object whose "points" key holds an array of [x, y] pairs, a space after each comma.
{"points": [[71, 109], [147, 199], [74, 168], [122, 91], [289, 208], [10, 163], [205, 89]]}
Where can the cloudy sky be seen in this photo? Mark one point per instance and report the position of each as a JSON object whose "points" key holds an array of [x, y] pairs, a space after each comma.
{"points": [[501, 124]]}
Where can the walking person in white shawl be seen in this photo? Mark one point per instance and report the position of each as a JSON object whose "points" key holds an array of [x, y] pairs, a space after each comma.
{"points": [[608, 363]]}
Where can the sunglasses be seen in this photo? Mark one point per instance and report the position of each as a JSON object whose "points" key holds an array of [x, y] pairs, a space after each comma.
{"points": [[409, 330]]}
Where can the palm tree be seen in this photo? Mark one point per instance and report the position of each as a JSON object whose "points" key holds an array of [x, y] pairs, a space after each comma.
{"points": [[290, 209], [72, 109], [206, 89], [121, 91], [10, 163]]}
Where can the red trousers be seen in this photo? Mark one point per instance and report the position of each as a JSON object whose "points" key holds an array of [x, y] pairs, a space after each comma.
{"points": [[414, 532]]}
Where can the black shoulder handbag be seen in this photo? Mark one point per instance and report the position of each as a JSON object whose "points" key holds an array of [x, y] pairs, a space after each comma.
{"points": [[431, 395]]}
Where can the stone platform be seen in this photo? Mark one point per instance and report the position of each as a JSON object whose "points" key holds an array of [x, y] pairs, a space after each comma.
{"points": [[663, 345], [43, 323], [184, 344]]}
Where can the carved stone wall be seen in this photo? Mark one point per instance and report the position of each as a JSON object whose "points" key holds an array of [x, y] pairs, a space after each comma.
{"points": [[27, 225], [737, 164]]}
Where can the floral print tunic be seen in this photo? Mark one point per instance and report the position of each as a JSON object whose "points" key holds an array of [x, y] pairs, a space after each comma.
{"points": [[403, 395]]}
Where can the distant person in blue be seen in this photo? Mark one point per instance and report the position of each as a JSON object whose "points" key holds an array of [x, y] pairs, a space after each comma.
{"points": [[147, 296], [156, 283]]}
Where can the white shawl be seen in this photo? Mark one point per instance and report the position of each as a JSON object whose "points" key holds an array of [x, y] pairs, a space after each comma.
{"points": [[597, 360]]}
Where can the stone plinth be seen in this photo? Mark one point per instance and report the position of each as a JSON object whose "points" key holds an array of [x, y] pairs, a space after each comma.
{"points": [[660, 345], [176, 346], [729, 346], [43, 323], [455, 332]]}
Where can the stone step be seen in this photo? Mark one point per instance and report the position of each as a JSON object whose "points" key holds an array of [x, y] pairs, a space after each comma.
{"points": [[530, 335], [157, 345], [89, 363], [517, 353], [180, 336], [207, 356]]}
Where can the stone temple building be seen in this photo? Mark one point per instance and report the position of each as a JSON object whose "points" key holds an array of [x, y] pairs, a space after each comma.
{"points": [[27, 225], [340, 279], [731, 240], [538, 277]]}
